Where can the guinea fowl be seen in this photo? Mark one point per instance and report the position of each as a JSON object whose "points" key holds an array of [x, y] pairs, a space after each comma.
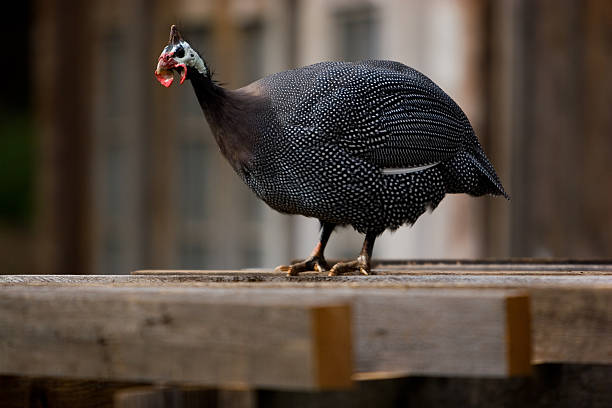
{"points": [[370, 144]]}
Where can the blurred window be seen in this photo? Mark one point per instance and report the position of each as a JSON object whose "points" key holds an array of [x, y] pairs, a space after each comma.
{"points": [[112, 145], [192, 254], [252, 39], [358, 32], [252, 46], [115, 82], [193, 171]]}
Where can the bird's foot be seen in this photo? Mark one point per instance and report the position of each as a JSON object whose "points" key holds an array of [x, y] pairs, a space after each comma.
{"points": [[314, 263], [361, 264]]}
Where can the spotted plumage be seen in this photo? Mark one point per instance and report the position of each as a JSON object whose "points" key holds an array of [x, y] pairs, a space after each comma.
{"points": [[371, 144]]}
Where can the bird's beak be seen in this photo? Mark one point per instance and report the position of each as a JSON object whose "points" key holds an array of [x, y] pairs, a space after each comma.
{"points": [[166, 62], [165, 65]]}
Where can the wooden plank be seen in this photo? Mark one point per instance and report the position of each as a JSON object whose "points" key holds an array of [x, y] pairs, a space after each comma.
{"points": [[389, 271], [501, 261], [555, 269], [518, 335], [572, 325], [258, 279], [143, 397], [483, 269], [570, 313], [418, 333], [167, 397], [112, 332], [332, 332], [173, 335]]}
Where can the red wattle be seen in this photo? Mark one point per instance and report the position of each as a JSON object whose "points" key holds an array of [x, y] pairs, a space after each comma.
{"points": [[163, 73], [165, 80], [184, 73]]}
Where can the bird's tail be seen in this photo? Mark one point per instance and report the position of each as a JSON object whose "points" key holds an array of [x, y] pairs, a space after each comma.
{"points": [[471, 172], [490, 179]]}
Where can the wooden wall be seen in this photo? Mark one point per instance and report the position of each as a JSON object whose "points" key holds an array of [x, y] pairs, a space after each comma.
{"points": [[562, 139]]}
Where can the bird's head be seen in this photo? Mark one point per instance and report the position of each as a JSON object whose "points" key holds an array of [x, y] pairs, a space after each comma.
{"points": [[178, 56]]}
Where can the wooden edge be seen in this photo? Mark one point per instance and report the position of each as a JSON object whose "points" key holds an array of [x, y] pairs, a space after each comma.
{"points": [[163, 272], [332, 346], [518, 335], [493, 261], [141, 396], [386, 271], [379, 375], [159, 396]]}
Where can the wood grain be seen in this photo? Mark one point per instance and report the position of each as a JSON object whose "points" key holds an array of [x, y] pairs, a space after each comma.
{"points": [[229, 335], [333, 346], [439, 332], [169, 334], [439, 279], [518, 335], [572, 325], [570, 311]]}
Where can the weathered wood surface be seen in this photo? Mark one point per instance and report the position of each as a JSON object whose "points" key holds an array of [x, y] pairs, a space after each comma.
{"points": [[175, 335], [397, 332], [450, 266], [411, 318], [571, 310], [512, 267], [442, 279], [572, 325]]}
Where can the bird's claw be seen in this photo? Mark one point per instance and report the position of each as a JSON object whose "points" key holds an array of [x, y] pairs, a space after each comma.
{"points": [[360, 265], [314, 263]]}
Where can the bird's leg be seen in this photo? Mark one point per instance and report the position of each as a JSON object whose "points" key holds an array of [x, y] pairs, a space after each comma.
{"points": [[362, 263], [316, 261]]}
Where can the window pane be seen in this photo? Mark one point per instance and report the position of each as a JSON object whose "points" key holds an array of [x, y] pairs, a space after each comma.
{"points": [[358, 33], [193, 183]]}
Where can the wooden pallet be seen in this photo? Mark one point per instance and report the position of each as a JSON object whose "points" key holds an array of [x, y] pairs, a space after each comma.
{"points": [[260, 329]]}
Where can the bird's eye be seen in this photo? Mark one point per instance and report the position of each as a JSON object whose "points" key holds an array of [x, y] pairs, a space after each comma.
{"points": [[180, 52]]}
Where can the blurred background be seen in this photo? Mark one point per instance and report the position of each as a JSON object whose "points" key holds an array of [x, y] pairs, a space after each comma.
{"points": [[105, 171]]}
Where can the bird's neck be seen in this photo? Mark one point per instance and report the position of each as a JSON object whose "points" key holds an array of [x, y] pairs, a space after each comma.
{"points": [[231, 116]]}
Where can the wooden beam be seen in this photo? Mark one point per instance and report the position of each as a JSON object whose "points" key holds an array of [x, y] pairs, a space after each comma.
{"points": [[424, 332], [173, 335], [433, 279], [393, 270], [463, 266], [572, 325], [276, 336], [570, 311]]}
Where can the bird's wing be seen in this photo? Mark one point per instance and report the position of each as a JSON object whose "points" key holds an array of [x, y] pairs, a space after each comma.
{"points": [[406, 122]]}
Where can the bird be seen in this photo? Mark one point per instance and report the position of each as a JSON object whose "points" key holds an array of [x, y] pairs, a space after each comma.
{"points": [[370, 144]]}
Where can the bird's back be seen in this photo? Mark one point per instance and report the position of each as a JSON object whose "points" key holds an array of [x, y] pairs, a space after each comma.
{"points": [[348, 140]]}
